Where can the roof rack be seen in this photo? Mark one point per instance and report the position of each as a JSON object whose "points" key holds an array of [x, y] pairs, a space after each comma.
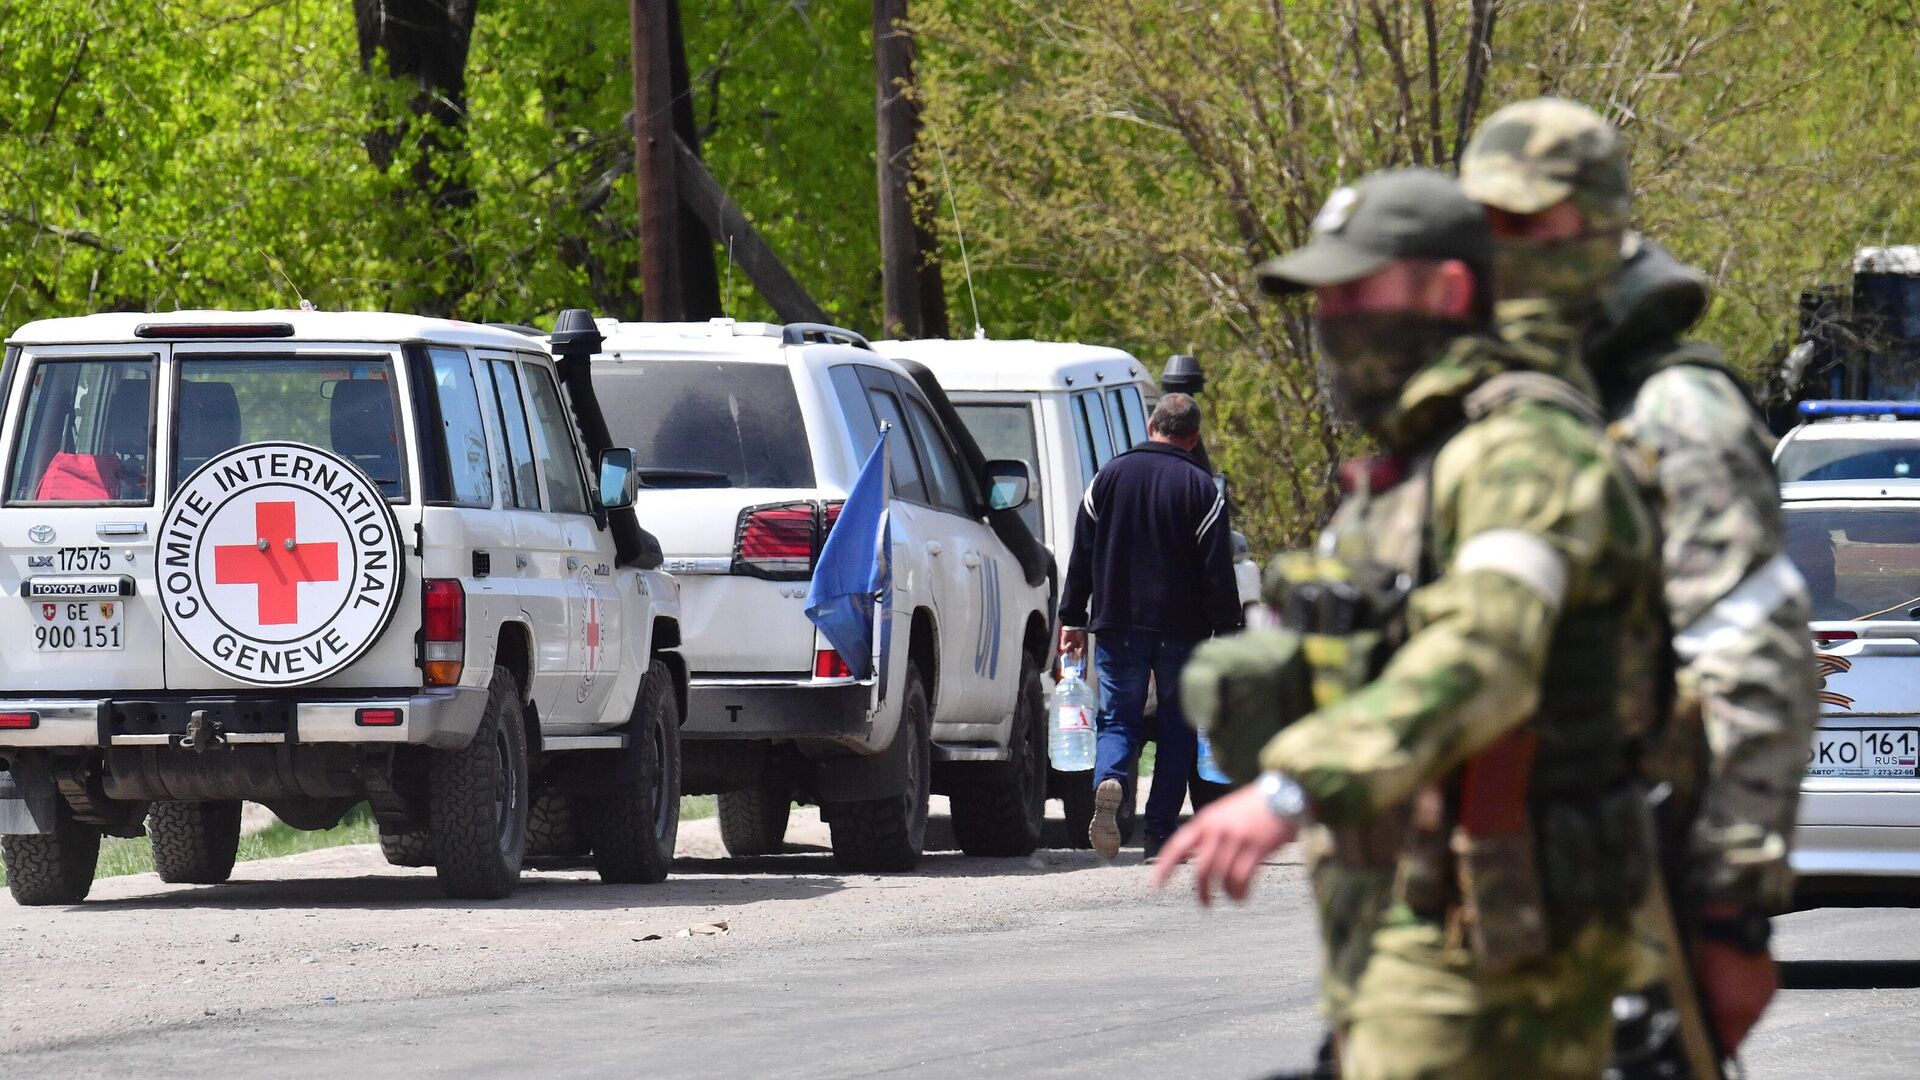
{"points": [[519, 328], [813, 333]]}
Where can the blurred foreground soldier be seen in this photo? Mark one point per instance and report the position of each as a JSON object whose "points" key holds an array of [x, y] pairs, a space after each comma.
{"points": [[1553, 176], [1474, 625]]}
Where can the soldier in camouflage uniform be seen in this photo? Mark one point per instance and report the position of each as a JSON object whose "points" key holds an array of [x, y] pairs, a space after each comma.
{"points": [[1553, 176], [1459, 799]]}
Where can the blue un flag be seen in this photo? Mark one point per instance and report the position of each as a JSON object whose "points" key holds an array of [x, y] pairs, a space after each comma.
{"points": [[853, 572]]}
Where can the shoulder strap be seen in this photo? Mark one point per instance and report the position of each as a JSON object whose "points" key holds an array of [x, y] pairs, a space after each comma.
{"points": [[1510, 387]]}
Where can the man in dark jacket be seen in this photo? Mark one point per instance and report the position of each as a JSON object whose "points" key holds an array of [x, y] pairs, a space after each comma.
{"points": [[1153, 559]]}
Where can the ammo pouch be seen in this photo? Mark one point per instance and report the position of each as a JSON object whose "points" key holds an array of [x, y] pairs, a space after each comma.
{"points": [[1340, 619], [1241, 690], [1595, 862]]}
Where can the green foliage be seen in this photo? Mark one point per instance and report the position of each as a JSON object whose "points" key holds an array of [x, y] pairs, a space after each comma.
{"points": [[1118, 165]]}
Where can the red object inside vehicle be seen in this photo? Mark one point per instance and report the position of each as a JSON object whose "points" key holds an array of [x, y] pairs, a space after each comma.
{"points": [[72, 477]]}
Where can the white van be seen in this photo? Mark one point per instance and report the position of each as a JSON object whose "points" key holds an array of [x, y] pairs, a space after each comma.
{"points": [[314, 558]]}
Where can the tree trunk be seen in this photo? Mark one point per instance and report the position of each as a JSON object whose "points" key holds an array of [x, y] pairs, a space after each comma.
{"points": [[424, 42], [653, 164], [916, 303]]}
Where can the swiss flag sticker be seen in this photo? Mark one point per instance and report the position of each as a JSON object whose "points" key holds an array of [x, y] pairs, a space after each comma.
{"points": [[47, 611]]}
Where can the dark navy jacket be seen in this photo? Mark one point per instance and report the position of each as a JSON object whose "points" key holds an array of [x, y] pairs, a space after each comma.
{"points": [[1152, 552]]}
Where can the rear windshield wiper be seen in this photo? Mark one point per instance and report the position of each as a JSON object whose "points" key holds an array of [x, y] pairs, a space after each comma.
{"points": [[684, 478]]}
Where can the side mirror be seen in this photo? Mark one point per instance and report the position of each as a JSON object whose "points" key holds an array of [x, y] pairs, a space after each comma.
{"points": [[1012, 482], [619, 477]]}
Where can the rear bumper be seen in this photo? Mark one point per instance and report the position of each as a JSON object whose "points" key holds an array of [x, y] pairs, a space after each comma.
{"points": [[1847, 830], [777, 709], [441, 717]]}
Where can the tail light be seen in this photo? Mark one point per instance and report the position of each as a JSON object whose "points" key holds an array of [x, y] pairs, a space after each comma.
{"points": [[377, 717], [782, 540], [443, 631], [19, 721], [1824, 638], [829, 664]]}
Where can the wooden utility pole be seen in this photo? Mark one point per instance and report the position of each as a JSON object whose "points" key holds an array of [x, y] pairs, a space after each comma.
{"points": [[653, 163], [699, 278], [916, 303]]}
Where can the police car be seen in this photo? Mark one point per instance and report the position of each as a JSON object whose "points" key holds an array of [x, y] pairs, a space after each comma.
{"points": [[750, 438], [310, 559], [1853, 527]]}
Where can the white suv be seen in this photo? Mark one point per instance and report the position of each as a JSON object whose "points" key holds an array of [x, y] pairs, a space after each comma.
{"points": [[315, 558], [750, 436]]}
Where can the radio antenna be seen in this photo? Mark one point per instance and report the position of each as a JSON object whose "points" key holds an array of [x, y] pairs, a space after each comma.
{"points": [[966, 267], [305, 304]]}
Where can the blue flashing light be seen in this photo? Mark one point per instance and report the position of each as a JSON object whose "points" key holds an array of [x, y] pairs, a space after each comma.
{"points": [[1825, 410]]}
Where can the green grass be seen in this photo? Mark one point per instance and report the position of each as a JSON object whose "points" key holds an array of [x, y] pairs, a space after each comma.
{"points": [[119, 857]]}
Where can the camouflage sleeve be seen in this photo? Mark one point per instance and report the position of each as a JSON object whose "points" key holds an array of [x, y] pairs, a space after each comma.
{"points": [[1740, 615], [1521, 514]]}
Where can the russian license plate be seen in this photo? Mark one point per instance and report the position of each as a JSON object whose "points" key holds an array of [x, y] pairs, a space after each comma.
{"points": [[1879, 752], [78, 625]]}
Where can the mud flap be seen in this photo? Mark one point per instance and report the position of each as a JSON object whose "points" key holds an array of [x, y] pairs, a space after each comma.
{"points": [[28, 802], [858, 779]]}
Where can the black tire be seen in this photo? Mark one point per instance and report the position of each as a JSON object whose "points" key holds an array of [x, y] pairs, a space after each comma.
{"points": [[477, 801], [885, 836], [413, 848], [1000, 808], [1077, 802], [56, 868], [753, 821], [194, 843], [633, 820], [553, 826]]}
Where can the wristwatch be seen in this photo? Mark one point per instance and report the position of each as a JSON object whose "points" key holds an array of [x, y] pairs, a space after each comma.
{"points": [[1748, 930], [1285, 798]]}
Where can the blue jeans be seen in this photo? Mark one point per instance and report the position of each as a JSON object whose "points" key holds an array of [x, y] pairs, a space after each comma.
{"points": [[1126, 662]]}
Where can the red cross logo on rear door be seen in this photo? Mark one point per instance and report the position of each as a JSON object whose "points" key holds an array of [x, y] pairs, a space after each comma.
{"points": [[277, 563]]}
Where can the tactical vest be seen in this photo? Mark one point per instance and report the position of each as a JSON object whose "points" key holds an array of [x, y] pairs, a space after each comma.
{"points": [[1581, 853]]}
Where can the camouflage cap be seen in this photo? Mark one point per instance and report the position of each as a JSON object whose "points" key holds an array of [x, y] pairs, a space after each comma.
{"points": [[1390, 215], [1534, 154]]}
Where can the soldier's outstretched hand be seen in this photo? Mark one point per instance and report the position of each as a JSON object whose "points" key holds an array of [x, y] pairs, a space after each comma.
{"points": [[1227, 843]]}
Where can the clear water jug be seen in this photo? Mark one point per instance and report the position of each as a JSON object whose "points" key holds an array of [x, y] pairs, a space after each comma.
{"points": [[1071, 707], [1206, 766]]}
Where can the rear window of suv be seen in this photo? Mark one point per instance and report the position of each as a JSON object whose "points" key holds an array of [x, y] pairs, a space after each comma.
{"points": [[1859, 563], [703, 423]]}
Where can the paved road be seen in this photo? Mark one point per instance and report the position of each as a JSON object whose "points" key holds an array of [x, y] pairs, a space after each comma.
{"points": [[1041, 968]]}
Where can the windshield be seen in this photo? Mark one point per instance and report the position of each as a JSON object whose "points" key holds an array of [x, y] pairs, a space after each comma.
{"points": [[1006, 431], [1848, 459], [1859, 564], [342, 404], [86, 434], [699, 423]]}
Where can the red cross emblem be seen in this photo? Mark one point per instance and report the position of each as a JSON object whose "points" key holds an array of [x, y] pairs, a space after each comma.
{"points": [[277, 564]]}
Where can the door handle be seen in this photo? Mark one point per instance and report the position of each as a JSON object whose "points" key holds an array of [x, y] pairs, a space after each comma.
{"points": [[120, 530], [934, 548], [573, 562], [520, 561], [971, 560]]}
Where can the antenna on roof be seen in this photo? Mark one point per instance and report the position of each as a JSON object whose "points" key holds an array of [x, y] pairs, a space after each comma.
{"points": [[305, 304], [946, 180], [726, 302]]}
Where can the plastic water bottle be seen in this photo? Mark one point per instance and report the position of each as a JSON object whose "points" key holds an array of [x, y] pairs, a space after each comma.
{"points": [[1208, 768], [1070, 736]]}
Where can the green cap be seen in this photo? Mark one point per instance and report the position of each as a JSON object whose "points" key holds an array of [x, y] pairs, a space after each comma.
{"points": [[1534, 154], [1388, 216]]}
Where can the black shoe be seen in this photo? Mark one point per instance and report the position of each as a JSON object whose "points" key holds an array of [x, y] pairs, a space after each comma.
{"points": [[1151, 846]]}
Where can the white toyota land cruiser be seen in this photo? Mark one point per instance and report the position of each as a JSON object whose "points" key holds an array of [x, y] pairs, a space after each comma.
{"points": [[315, 558], [750, 436]]}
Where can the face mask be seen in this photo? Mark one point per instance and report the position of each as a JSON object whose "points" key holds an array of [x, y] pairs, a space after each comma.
{"points": [[1567, 272], [1366, 359]]}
